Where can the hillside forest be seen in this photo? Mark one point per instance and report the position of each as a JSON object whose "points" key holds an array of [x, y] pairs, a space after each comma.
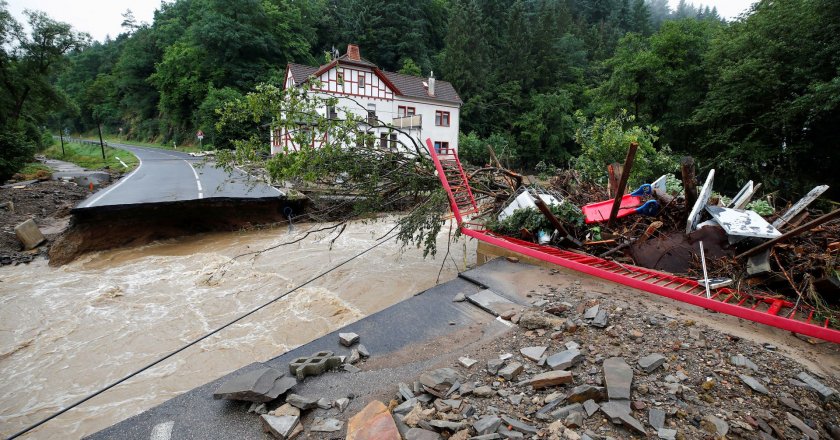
{"points": [[542, 80]]}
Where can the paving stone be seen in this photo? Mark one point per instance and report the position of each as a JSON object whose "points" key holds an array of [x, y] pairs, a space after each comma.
{"points": [[533, 353], [29, 234], [348, 339], [591, 407], [583, 393], [824, 391], [754, 384], [618, 377], [511, 371], [314, 365], [742, 361], [800, 425], [281, 427], [656, 418], [301, 402], [494, 365], [651, 362], [549, 379], [440, 380], [564, 359], [372, 422], [262, 385], [487, 425], [326, 425]]}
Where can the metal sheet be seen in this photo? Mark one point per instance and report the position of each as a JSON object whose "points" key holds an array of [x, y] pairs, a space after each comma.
{"points": [[702, 200], [743, 223]]}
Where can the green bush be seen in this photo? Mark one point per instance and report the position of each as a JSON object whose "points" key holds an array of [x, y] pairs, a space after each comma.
{"points": [[534, 221], [15, 151]]}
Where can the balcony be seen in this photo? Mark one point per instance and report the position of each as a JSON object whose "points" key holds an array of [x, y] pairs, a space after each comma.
{"points": [[413, 121]]}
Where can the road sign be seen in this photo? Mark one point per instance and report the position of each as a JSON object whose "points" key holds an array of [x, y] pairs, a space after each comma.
{"points": [[200, 135]]}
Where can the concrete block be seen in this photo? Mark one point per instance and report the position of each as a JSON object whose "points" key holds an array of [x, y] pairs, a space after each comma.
{"points": [[29, 234], [314, 365]]}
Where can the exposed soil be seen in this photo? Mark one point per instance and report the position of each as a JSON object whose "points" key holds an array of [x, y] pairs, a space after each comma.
{"points": [[48, 203]]}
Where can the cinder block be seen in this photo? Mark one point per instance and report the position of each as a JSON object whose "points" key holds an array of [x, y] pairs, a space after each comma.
{"points": [[314, 365], [29, 234]]}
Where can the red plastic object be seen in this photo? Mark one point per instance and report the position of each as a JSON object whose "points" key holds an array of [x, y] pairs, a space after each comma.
{"points": [[763, 309], [600, 211]]}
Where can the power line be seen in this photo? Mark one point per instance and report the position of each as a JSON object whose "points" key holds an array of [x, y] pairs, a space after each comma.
{"points": [[205, 336]]}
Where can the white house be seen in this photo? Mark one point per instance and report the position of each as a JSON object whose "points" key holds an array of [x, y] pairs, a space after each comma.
{"points": [[422, 107]]}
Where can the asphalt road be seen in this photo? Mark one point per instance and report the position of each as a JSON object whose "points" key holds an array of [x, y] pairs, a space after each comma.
{"points": [[171, 176]]}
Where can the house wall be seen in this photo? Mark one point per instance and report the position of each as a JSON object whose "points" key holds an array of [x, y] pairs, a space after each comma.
{"points": [[386, 103]]}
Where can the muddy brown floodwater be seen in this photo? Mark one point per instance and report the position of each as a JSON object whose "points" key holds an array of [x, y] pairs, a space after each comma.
{"points": [[67, 332]]}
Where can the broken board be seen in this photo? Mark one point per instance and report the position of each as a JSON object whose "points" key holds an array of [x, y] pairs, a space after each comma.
{"points": [[742, 223], [800, 206], [492, 302], [743, 197], [702, 200]]}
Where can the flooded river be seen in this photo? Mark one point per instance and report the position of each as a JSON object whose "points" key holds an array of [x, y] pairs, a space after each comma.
{"points": [[67, 332]]}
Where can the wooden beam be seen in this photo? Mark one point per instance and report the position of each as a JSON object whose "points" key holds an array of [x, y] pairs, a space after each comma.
{"points": [[689, 182], [622, 184], [793, 233]]}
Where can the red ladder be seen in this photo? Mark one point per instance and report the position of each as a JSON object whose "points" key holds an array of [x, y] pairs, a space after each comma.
{"points": [[454, 180], [763, 309]]}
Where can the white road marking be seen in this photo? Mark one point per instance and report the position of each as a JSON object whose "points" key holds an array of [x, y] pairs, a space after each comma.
{"points": [[162, 431], [197, 180], [108, 191]]}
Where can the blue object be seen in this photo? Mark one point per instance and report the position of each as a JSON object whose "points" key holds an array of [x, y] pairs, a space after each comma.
{"points": [[644, 190], [650, 208]]}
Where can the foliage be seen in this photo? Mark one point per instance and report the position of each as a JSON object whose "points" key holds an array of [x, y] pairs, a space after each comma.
{"points": [[534, 221], [409, 67], [606, 140], [15, 151], [474, 150], [761, 207], [673, 185], [89, 156]]}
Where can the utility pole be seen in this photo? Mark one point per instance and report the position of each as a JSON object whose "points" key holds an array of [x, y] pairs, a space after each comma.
{"points": [[61, 136], [101, 144]]}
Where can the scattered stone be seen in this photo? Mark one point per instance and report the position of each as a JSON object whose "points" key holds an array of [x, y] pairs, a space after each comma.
{"points": [[460, 297], [348, 339], [666, 434], [518, 425], [591, 407], [651, 362], [583, 393], [715, 425], [324, 403], [533, 353], [354, 357], [754, 384], [614, 410], [467, 362], [281, 427], [493, 436], [511, 371], [373, 422], [618, 377], [484, 391], [509, 433], [494, 365], [515, 399], [533, 320], [405, 407], [29, 234], [314, 365], [549, 379], [824, 391], [790, 403], [591, 312], [288, 410], [564, 359], [326, 425], [258, 408], [487, 425], [363, 351], [800, 425], [448, 425], [574, 420], [301, 402], [601, 320], [572, 345], [656, 418], [351, 368], [421, 434], [405, 391], [505, 356], [562, 413], [742, 361], [341, 404], [630, 421], [440, 380], [262, 385]]}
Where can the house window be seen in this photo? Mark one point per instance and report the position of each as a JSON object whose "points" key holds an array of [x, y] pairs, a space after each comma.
{"points": [[393, 142], [403, 111], [383, 141], [441, 147], [331, 112], [371, 114], [339, 78], [442, 118], [361, 81]]}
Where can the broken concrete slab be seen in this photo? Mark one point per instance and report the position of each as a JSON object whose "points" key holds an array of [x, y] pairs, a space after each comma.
{"points": [[262, 385], [651, 362], [533, 353], [372, 422], [29, 234], [440, 380], [800, 206], [314, 365], [618, 377], [348, 339], [549, 379], [564, 359], [281, 427], [492, 302]]}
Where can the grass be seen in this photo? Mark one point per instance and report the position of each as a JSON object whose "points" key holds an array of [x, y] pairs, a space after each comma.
{"points": [[182, 148], [90, 156], [34, 170]]}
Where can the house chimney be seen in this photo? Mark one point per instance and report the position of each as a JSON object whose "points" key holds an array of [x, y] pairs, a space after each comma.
{"points": [[432, 83], [353, 52]]}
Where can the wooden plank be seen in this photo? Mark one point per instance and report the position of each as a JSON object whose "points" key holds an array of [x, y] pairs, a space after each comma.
{"points": [[799, 206]]}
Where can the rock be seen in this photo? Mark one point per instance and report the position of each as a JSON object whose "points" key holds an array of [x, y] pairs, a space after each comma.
{"points": [[351, 368], [372, 422], [261, 385], [354, 356], [487, 425], [549, 379], [666, 434], [280, 427], [562, 413], [301, 402], [363, 351], [833, 430], [421, 434], [348, 339], [515, 399], [493, 436], [574, 420], [405, 391], [533, 320], [405, 407], [466, 362], [790, 403], [460, 297], [29, 234], [583, 393], [505, 356], [518, 425], [715, 425], [651, 362], [258, 408], [800, 425], [324, 403], [614, 410], [286, 410], [824, 391], [447, 425], [656, 418], [601, 320], [463, 434], [564, 359], [511, 371], [618, 377], [741, 361], [754, 384], [440, 380], [326, 425], [341, 404], [494, 365], [509, 433], [484, 391], [591, 407], [591, 312], [533, 353], [629, 421]]}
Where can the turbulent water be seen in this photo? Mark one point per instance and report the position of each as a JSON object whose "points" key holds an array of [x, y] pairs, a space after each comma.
{"points": [[67, 332]]}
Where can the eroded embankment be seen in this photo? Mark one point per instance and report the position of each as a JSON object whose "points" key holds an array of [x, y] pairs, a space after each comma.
{"points": [[101, 228]]}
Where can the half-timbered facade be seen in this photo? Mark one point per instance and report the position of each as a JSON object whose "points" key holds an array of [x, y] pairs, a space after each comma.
{"points": [[420, 107]]}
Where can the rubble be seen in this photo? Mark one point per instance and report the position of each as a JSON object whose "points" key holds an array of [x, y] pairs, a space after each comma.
{"points": [[348, 339], [261, 385]]}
